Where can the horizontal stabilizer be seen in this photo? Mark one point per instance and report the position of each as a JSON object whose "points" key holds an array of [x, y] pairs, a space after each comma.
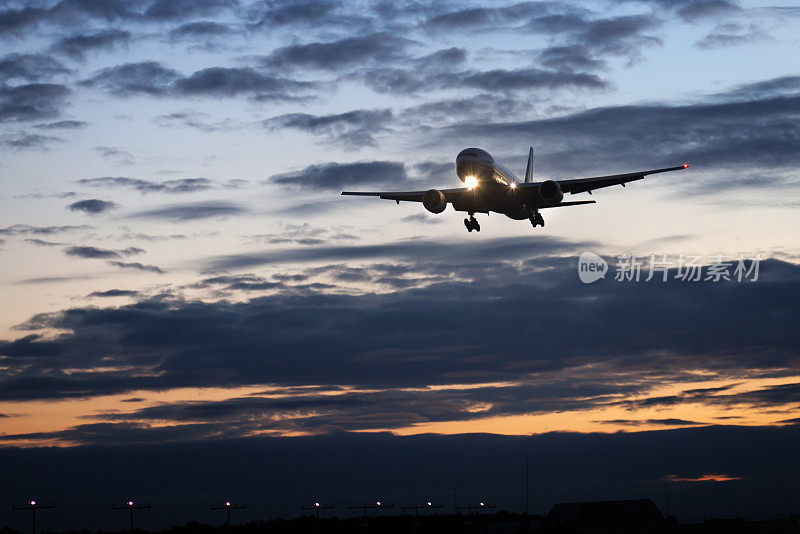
{"points": [[575, 203]]}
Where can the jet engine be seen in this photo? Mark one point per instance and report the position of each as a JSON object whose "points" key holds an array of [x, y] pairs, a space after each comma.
{"points": [[551, 192], [434, 201]]}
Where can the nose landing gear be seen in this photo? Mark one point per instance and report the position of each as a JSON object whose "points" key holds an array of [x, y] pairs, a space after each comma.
{"points": [[472, 224], [537, 219]]}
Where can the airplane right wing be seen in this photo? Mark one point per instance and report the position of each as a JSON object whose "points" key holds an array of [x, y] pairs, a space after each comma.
{"points": [[411, 196]]}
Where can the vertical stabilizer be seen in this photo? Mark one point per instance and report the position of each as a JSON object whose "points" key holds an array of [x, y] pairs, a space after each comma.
{"points": [[529, 170]]}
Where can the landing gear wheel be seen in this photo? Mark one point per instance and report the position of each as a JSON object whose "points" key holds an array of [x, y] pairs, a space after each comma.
{"points": [[472, 224], [537, 219]]}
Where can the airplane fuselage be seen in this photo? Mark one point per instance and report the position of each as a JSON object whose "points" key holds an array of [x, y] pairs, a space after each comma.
{"points": [[494, 187]]}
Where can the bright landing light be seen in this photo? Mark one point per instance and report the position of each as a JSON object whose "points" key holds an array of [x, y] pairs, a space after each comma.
{"points": [[513, 185], [471, 182]]}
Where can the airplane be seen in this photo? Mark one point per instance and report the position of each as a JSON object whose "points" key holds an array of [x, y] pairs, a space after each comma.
{"points": [[489, 186]]}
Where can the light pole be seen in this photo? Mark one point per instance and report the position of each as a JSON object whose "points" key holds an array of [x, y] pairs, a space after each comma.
{"points": [[316, 506], [228, 506], [131, 506], [33, 505]]}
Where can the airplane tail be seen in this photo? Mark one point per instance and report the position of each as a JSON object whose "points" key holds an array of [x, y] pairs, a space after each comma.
{"points": [[529, 170]]}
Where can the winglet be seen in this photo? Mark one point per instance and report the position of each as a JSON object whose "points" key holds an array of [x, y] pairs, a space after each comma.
{"points": [[529, 170]]}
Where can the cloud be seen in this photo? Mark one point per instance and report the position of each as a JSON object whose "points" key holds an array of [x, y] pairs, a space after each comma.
{"points": [[25, 141], [92, 206], [148, 77], [200, 30], [77, 46], [101, 253], [33, 101], [26, 229], [137, 266], [693, 132], [114, 293], [29, 68], [690, 10], [377, 48], [63, 125], [231, 82], [182, 185], [421, 218], [182, 9], [192, 211], [333, 176], [163, 343], [43, 243], [731, 34], [352, 129], [511, 80]]}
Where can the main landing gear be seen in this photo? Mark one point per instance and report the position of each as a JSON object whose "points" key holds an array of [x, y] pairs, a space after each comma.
{"points": [[472, 224], [537, 219]]}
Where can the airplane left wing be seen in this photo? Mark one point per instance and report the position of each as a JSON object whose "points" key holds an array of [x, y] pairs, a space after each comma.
{"points": [[581, 185]]}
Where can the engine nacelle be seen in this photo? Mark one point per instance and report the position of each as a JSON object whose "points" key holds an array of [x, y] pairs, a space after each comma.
{"points": [[551, 192], [434, 201]]}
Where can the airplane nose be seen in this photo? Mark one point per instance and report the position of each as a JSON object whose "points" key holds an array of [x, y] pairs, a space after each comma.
{"points": [[474, 162]]}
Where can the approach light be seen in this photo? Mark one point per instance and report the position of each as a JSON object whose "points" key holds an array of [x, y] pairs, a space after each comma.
{"points": [[471, 182], [430, 503], [33, 503], [482, 504], [227, 503], [316, 504], [130, 503], [513, 185], [378, 503]]}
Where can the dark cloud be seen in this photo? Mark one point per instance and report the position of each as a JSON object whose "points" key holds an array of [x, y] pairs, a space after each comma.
{"points": [[25, 141], [421, 218], [14, 21], [183, 9], [297, 13], [43, 243], [377, 48], [334, 176], [660, 422], [527, 79], [101, 253], [192, 211], [26, 229], [63, 125], [92, 206], [404, 81], [200, 30], [689, 10], [29, 102], [77, 46], [573, 57], [411, 336], [29, 68], [353, 129], [182, 185], [419, 250], [148, 77], [493, 107], [731, 34], [720, 134], [114, 293], [230, 82], [135, 265]]}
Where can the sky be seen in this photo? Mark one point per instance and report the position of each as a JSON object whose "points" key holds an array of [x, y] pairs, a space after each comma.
{"points": [[181, 279]]}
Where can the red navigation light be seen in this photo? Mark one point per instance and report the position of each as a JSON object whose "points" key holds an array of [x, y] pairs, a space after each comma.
{"points": [[685, 165]]}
